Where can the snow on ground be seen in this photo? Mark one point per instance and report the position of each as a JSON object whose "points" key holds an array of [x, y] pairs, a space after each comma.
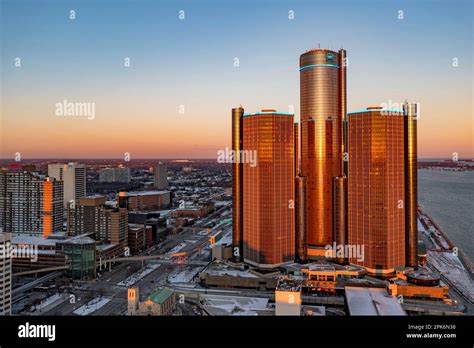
{"points": [[226, 239], [46, 302], [191, 241], [134, 278], [92, 306], [184, 276], [451, 267], [177, 248], [234, 305]]}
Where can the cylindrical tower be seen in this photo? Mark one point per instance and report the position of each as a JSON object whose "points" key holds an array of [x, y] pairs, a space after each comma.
{"points": [[411, 184], [321, 151], [237, 184]]}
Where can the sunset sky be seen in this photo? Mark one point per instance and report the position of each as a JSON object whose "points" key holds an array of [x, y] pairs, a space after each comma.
{"points": [[190, 62]]}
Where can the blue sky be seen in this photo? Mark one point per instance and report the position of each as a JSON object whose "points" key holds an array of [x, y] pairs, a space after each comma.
{"points": [[190, 62]]}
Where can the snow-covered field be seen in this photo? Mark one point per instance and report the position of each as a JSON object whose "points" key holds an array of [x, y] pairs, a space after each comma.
{"points": [[452, 268], [134, 278], [92, 306], [184, 276]]}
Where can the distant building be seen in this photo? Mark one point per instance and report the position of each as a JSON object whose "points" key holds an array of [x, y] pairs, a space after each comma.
{"points": [[161, 177], [160, 302], [74, 177], [193, 211], [145, 200], [5, 275], [119, 174], [30, 203]]}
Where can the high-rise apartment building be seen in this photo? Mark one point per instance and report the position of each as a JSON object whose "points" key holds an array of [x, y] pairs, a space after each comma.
{"points": [[268, 188], [161, 176], [323, 111], [5, 274], [92, 215], [30, 203], [376, 188], [74, 177]]}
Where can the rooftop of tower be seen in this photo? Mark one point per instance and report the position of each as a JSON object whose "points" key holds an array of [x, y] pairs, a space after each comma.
{"points": [[269, 112]]}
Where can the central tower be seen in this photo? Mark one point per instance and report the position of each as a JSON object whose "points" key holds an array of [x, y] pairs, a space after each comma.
{"points": [[323, 114]]}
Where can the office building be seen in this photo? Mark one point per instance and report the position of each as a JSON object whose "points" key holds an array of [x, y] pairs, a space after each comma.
{"points": [[74, 177], [161, 176], [5, 274], [376, 189], [30, 203], [237, 184], [410, 113], [80, 251], [323, 111], [268, 188]]}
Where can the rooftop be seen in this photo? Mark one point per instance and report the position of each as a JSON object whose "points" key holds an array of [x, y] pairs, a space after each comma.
{"points": [[161, 295], [371, 301]]}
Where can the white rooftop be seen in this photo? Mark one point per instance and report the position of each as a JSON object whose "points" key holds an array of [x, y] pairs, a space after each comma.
{"points": [[371, 301]]}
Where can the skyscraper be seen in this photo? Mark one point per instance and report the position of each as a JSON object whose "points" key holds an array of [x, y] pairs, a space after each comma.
{"points": [[268, 188], [74, 177], [161, 176], [237, 184], [5, 274], [410, 112], [323, 110], [376, 188], [30, 203]]}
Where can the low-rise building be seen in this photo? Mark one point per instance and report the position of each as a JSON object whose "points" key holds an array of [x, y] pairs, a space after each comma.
{"points": [[288, 297], [160, 302], [418, 284]]}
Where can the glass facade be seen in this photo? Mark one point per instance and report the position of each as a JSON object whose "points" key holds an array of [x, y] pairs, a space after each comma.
{"points": [[376, 197], [82, 258], [322, 106], [268, 189]]}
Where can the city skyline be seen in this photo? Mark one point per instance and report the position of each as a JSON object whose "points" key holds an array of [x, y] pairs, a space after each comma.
{"points": [[138, 110]]}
